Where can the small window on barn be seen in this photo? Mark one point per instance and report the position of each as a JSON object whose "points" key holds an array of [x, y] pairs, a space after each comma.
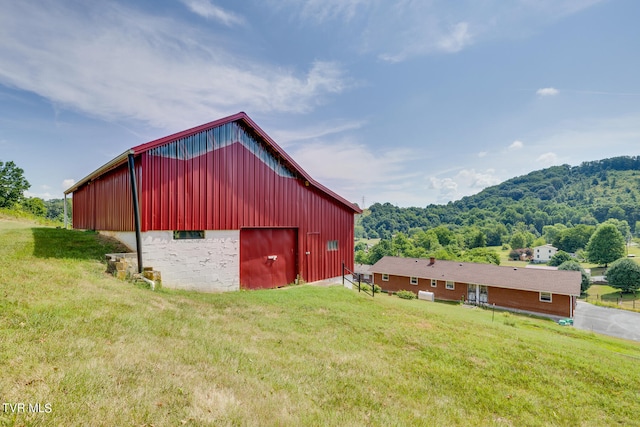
{"points": [[385, 277], [332, 245], [413, 280], [545, 296], [450, 285], [434, 283], [188, 234]]}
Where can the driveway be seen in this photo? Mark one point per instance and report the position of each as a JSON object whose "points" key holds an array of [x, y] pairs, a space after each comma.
{"points": [[607, 321]]}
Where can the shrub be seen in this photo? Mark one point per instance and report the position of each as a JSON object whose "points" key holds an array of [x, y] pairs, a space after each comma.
{"points": [[406, 294], [520, 254], [559, 258], [365, 287]]}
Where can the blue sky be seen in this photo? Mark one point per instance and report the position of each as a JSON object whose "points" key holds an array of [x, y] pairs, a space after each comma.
{"points": [[408, 102]]}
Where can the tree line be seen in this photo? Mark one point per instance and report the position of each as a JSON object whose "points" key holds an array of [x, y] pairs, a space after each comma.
{"points": [[13, 184], [588, 194]]}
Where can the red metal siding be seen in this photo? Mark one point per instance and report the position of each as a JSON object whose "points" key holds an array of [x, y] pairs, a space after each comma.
{"points": [[246, 187], [84, 208], [222, 178], [106, 204]]}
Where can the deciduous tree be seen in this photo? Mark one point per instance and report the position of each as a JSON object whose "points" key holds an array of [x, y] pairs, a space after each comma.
{"points": [[572, 239], [624, 274], [35, 205], [559, 258], [12, 184], [605, 245]]}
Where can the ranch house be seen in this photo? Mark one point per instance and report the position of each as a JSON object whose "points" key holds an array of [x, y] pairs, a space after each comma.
{"points": [[547, 292]]}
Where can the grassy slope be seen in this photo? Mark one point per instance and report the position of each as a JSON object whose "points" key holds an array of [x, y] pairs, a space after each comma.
{"points": [[104, 352]]}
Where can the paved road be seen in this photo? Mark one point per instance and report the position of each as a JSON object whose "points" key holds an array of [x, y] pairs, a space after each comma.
{"points": [[607, 321]]}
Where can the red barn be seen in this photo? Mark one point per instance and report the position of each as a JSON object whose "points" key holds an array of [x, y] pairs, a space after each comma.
{"points": [[219, 207]]}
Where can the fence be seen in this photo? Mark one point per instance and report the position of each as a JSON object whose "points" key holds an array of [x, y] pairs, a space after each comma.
{"points": [[369, 290], [626, 301]]}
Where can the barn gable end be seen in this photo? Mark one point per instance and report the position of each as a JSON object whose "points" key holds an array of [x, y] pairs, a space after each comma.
{"points": [[227, 176]]}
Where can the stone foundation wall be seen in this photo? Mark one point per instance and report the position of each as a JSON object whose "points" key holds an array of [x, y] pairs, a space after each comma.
{"points": [[124, 266]]}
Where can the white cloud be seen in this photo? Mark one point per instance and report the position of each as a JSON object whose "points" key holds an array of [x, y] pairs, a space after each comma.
{"points": [[447, 186], [516, 145], [596, 138], [457, 39], [482, 154], [555, 9], [208, 10], [350, 161], [113, 62], [321, 11], [425, 39], [465, 182], [44, 195], [353, 170], [470, 178], [547, 91], [398, 31], [67, 183], [286, 137], [547, 159]]}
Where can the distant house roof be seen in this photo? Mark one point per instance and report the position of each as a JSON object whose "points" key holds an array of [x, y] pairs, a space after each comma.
{"points": [[546, 246], [535, 280]]}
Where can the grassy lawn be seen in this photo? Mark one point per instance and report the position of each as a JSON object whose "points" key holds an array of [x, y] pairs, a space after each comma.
{"points": [[504, 257], [104, 352]]}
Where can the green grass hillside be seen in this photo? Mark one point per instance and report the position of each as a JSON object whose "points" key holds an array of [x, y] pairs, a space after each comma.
{"points": [[92, 350]]}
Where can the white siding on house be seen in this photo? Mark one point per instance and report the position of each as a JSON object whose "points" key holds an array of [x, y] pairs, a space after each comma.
{"points": [[543, 253]]}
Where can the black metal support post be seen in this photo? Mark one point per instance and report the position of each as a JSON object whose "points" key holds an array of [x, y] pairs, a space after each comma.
{"points": [[136, 210]]}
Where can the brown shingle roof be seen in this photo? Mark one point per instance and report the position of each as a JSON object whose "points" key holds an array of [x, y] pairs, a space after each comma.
{"points": [[557, 282]]}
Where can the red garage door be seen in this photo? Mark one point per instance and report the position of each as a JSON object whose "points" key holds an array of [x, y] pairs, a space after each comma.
{"points": [[267, 257]]}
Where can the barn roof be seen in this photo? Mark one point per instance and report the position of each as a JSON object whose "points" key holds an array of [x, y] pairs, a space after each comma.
{"points": [[239, 117], [536, 280]]}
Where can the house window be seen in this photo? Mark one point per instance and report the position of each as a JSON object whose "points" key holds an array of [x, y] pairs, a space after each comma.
{"points": [[188, 234], [385, 277], [450, 285], [434, 283], [332, 245], [545, 296], [413, 280]]}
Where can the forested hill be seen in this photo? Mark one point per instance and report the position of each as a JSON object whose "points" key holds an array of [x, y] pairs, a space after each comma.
{"points": [[587, 194]]}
